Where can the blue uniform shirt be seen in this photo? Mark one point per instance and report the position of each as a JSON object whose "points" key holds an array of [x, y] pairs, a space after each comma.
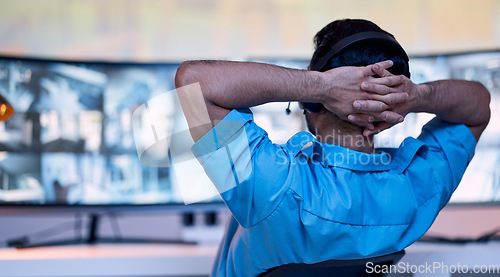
{"points": [[306, 201]]}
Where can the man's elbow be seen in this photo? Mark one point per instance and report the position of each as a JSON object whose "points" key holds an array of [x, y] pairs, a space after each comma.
{"points": [[185, 74], [483, 111], [485, 103]]}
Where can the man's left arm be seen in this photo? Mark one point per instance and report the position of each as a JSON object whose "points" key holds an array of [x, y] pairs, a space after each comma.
{"points": [[453, 101], [462, 113]]}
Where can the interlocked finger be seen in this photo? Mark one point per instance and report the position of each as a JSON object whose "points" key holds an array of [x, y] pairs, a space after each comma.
{"points": [[379, 88], [389, 81], [385, 116], [380, 70], [366, 106], [390, 117], [392, 98]]}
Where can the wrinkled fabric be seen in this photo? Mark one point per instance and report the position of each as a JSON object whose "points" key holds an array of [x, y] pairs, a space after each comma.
{"points": [[307, 202]]}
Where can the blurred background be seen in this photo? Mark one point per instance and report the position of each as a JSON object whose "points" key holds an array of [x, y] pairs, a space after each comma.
{"points": [[436, 34], [176, 30]]}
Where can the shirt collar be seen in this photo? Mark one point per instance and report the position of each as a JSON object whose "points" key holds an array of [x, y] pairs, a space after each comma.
{"points": [[329, 155]]}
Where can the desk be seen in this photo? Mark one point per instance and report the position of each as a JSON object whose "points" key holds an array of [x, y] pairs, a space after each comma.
{"points": [[108, 260], [112, 260]]}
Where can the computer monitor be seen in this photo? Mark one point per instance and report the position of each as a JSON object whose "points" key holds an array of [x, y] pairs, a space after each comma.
{"points": [[74, 141], [71, 142]]}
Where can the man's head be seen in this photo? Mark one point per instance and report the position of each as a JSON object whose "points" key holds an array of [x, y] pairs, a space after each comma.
{"points": [[359, 53]]}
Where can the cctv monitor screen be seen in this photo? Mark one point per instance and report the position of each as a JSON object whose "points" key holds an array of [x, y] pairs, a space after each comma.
{"points": [[77, 136]]}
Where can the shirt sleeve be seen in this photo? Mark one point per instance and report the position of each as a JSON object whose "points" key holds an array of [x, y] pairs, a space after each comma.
{"points": [[248, 170], [451, 148]]}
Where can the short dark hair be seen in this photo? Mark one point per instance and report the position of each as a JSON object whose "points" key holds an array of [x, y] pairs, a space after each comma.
{"points": [[359, 54]]}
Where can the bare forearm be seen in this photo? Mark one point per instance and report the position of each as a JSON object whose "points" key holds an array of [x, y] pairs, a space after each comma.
{"points": [[233, 85], [227, 85], [456, 101]]}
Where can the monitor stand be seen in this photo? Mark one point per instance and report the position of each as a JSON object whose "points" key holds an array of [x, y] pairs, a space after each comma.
{"points": [[92, 238]]}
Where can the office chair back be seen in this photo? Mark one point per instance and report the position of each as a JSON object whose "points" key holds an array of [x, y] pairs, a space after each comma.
{"points": [[341, 268]]}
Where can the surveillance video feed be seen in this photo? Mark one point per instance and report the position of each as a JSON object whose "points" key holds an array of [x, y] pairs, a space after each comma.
{"points": [[70, 140]]}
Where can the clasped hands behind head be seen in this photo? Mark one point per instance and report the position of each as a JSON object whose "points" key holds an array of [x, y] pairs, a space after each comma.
{"points": [[380, 102]]}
